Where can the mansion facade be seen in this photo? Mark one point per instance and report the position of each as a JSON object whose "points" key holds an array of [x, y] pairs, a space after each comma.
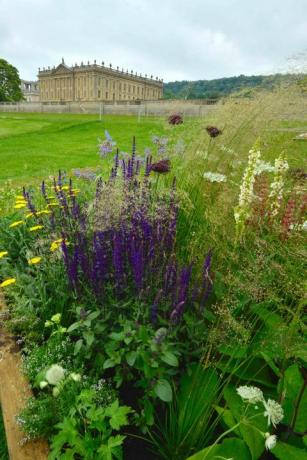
{"points": [[94, 82]]}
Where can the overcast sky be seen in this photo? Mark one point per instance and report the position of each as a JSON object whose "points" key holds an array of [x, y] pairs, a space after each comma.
{"points": [[172, 39]]}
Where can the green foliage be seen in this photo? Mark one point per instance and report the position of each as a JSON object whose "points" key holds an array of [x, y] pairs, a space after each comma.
{"points": [[188, 422], [229, 448], [9, 82], [88, 430], [284, 451], [221, 87], [3, 446], [41, 414]]}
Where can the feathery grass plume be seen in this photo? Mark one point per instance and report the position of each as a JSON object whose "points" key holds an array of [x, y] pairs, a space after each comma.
{"points": [[277, 186], [243, 209]]}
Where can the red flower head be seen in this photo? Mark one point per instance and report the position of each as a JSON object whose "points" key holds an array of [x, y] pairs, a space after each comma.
{"points": [[162, 166], [213, 131], [175, 119]]}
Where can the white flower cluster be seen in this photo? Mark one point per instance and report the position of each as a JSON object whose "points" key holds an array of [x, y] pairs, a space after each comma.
{"points": [[263, 166], [242, 211], [250, 394], [55, 376], [273, 410], [214, 177], [276, 193]]}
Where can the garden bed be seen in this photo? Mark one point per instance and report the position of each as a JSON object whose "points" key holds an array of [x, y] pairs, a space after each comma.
{"points": [[158, 318]]}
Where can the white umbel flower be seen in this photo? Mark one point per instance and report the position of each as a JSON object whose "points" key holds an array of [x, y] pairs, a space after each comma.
{"points": [[214, 177], [250, 394], [273, 411], [270, 441], [55, 374]]}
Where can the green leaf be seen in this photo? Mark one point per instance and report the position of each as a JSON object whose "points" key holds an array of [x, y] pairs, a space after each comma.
{"points": [[227, 418], [117, 336], [131, 357], [284, 451], [270, 319], [231, 448], [235, 351], [292, 385], [108, 363], [169, 358], [78, 346], [112, 449], [89, 338], [73, 327], [118, 415], [163, 390], [253, 439]]}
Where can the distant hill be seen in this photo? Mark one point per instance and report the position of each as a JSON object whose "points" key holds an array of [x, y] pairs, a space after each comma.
{"points": [[214, 89]]}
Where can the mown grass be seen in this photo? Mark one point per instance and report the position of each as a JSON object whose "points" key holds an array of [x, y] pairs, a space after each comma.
{"points": [[33, 146]]}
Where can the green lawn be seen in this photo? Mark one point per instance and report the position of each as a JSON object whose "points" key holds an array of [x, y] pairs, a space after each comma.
{"points": [[33, 146]]}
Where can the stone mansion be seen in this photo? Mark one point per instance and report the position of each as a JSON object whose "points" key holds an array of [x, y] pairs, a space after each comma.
{"points": [[94, 82]]}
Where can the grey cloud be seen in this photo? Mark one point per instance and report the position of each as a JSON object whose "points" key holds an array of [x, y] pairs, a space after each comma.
{"points": [[173, 39]]}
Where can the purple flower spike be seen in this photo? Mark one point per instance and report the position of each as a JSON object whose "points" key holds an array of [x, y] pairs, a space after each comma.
{"points": [[177, 312]]}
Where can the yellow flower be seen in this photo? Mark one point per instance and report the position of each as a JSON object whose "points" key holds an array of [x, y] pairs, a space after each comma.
{"points": [[16, 224], [8, 282], [30, 214], [45, 211], [36, 227], [20, 197], [53, 204], [19, 205], [65, 187], [34, 260], [3, 253], [57, 243]]}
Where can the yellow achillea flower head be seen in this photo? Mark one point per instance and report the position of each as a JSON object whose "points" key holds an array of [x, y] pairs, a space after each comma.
{"points": [[57, 243], [34, 260], [8, 282], [65, 187], [16, 224], [3, 253], [36, 227], [30, 214], [19, 205], [20, 197]]}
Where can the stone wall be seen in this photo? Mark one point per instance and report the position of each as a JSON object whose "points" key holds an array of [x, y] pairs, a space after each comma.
{"points": [[148, 108]]}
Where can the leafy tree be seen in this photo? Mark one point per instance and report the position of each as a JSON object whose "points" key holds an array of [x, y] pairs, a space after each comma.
{"points": [[9, 82]]}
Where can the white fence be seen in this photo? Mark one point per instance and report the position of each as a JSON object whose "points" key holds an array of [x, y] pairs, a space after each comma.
{"points": [[149, 108]]}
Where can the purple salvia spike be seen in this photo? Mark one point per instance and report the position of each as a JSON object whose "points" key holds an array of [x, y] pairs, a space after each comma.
{"points": [[177, 313]]}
